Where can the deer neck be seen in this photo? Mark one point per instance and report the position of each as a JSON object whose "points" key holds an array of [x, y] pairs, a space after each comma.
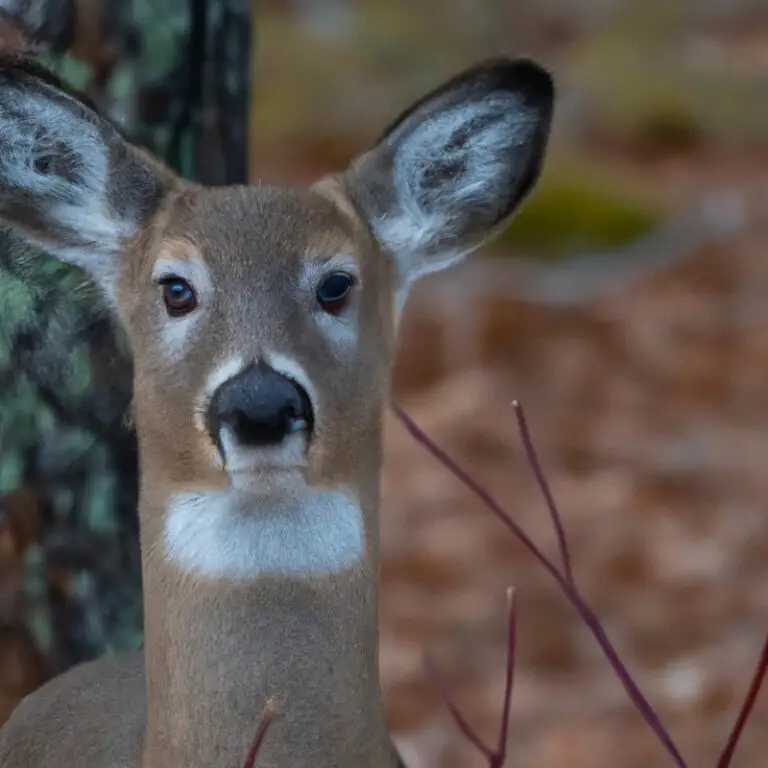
{"points": [[302, 630]]}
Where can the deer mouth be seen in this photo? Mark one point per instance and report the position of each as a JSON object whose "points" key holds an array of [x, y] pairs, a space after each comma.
{"points": [[290, 455]]}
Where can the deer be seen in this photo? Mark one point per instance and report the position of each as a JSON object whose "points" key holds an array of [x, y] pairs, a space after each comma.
{"points": [[263, 323]]}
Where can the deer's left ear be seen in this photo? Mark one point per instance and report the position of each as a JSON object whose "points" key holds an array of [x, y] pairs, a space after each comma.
{"points": [[451, 171]]}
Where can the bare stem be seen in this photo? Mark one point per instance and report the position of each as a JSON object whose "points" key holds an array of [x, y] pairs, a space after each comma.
{"points": [[497, 758], [268, 715], [546, 491], [746, 709], [461, 722], [501, 749], [567, 585]]}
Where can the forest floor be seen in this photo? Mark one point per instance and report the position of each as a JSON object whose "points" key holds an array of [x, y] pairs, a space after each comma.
{"points": [[649, 408], [648, 403]]}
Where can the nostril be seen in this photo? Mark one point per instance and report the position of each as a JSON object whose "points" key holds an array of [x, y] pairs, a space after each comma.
{"points": [[255, 429]]}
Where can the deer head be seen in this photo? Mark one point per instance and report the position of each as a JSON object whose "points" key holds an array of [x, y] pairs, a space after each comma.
{"points": [[263, 320]]}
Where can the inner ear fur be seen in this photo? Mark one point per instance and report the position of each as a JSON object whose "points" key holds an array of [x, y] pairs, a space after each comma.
{"points": [[452, 168]]}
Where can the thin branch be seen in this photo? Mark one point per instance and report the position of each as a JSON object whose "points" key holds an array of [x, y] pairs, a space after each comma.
{"points": [[570, 589], [584, 609], [459, 472], [501, 749], [746, 709], [268, 715], [497, 758], [546, 491], [461, 722]]}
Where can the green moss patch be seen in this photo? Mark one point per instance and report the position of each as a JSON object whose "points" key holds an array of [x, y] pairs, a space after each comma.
{"points": [[576, 207]]}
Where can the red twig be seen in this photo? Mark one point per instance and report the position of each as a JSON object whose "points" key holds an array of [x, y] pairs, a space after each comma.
{"points": [[568, 586], [585, 610], [461, 722], [268, 715], [546, 491], [746, 709], [496, 758], [501, 749]]}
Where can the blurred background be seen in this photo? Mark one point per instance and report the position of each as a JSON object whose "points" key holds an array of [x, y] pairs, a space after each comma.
{"points": [[626, 307]]}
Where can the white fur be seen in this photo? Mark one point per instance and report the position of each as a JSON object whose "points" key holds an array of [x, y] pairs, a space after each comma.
{"points": [[424, 217], [226, 370], [193, 270], [242, 461], [231, 535]]}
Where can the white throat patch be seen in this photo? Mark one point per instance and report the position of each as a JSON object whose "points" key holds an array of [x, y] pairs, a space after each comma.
{"points": [[229, 534]]}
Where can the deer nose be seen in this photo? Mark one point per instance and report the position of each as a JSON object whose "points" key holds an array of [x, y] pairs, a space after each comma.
{"points": [[260, 407]]}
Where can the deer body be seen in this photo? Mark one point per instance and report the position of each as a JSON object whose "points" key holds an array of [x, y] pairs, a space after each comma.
{"points": [[263, 327]]}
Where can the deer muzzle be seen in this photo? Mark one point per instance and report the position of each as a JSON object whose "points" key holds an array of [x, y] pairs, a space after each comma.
{"points": [[260, 408]]}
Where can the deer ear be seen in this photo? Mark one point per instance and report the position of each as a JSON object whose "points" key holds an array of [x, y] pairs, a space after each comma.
{"points": [[451, 170], [68, 180]]}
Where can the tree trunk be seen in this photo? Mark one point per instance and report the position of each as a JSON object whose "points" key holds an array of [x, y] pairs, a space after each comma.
{"points": [[175, 74]]}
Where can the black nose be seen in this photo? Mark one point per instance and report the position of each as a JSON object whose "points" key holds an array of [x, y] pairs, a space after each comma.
{"points": [[260, 406]]}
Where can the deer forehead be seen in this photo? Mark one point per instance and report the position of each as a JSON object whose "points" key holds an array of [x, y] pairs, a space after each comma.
{"points": [[246, 233]]}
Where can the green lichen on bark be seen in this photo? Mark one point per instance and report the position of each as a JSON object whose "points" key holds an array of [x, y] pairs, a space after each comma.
{"points": [[179, 84]]}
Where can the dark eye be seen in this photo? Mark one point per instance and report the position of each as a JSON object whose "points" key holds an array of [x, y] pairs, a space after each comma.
{"points": [[333, 290], [178, 295]]}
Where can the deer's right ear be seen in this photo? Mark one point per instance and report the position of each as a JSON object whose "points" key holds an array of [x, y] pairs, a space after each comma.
{"points": [[68, 181]]}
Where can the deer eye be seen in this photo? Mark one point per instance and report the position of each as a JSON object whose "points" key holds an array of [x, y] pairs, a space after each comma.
{"points": [[333, 291], [178, 295]]}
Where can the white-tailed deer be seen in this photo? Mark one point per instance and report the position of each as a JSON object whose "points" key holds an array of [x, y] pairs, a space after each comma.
{"points": [[263, 325]]}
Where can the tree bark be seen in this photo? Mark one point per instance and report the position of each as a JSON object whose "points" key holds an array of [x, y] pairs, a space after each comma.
{"points": [[175, 75]]}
